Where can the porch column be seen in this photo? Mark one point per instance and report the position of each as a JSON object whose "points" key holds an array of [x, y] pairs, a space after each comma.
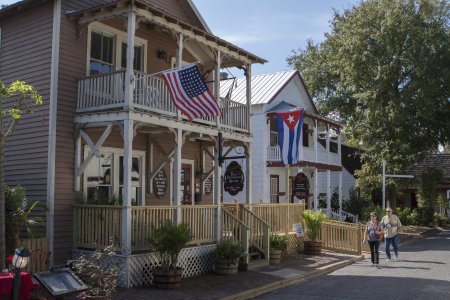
{"points": [[316, 182], [129, 75], [339, 148], [179, 59], [77, 186], [300, 146], [248, 92], [340, 193], [249, 171], [287, 194], [329, 190], [315, 138], [177, 174], [127, 163], [327, 143], [217, 81], [217, 190]]}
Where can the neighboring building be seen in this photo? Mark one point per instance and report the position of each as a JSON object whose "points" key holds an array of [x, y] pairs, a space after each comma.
{"points": [[111, 132], [320, 164], [436, 161]]}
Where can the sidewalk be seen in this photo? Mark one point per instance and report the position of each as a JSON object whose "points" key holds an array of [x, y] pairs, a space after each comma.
{"points": [[246, 284]]}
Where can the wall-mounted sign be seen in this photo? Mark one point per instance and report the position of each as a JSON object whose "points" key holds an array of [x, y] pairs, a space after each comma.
{"points": [[233, 180], [208, 186], [160, 184], [300, 186]]}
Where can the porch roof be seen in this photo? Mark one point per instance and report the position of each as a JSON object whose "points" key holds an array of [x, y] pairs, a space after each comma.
{"points": [[161, 18]]}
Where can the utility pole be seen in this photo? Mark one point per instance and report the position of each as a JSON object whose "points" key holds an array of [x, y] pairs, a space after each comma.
{"points": [[384, 175]]}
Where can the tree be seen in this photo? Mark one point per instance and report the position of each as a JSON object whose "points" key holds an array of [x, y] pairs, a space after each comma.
{"points": [[428, 193], [15, 100], [384, 72]]}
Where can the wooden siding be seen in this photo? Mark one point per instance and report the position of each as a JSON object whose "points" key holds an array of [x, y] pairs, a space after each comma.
{"points": [[25, 55]]}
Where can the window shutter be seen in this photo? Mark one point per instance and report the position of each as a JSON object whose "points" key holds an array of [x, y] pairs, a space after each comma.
{"points": [[137, 61]]}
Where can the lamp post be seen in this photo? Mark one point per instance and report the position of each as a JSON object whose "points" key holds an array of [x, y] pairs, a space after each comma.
{"points": [[20, 261], [383, 187]]}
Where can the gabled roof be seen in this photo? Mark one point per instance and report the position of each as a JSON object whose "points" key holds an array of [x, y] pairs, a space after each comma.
{"points": [[436, 161], [265, 87]]}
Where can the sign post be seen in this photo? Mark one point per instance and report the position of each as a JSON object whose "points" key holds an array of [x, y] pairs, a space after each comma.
{"points": [[384, 175]]}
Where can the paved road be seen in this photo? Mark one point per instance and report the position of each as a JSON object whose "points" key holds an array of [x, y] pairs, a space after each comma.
{"points": [[423, 272]]}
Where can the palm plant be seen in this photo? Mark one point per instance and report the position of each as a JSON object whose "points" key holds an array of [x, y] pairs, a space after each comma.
{"points": [[18, 214], [313, 221]]}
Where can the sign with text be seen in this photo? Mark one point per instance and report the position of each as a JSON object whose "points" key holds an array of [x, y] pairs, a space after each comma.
{"points": [[208, 186], [300, 186], [160, 184], [298, 229], [233, 180]]}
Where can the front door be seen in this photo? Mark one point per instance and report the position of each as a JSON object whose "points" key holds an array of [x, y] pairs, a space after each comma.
{"points": [[274, 188], [186, 184]]}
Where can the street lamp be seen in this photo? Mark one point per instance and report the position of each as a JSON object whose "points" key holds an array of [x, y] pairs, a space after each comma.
{"points": [[20, 261]]}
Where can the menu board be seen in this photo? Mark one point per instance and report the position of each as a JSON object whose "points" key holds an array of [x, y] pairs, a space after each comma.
{"points": [[208, 186], [300, 186], [160, 184]]}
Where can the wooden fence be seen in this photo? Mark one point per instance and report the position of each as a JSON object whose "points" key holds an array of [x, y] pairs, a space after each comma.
{"points": [[281, 217], [341, 237], [39, 254]]}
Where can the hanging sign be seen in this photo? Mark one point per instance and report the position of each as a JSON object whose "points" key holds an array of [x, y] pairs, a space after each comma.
{"points": [[160, 184], [300, 186], [233, 180]]}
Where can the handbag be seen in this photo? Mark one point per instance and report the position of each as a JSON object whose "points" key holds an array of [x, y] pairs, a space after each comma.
{"points": [[379, 236]]}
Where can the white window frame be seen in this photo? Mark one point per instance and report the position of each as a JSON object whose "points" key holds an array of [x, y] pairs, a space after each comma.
{"points": [[116, 153], [118, 37]]}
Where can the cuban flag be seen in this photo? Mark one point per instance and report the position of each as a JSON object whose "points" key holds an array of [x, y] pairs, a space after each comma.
{"points": [[289, 125], [190, 93]]}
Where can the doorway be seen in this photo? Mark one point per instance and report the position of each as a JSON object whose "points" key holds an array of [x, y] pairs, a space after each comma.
{"points": [[274, 188]]}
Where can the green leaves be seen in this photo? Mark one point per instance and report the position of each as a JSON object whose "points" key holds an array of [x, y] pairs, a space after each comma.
{"points": [[313, 221], [383, 71]]}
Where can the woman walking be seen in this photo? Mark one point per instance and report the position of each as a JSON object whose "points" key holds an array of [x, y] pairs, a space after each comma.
{"points": [[373, 234]]}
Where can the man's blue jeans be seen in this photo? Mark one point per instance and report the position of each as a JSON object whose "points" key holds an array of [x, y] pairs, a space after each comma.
{"points": [[387, 244]]}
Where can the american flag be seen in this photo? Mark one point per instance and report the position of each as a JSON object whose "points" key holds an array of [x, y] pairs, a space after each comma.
{"points": [[190, 93]]}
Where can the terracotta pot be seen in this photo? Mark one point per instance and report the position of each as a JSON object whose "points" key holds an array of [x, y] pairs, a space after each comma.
{"points": [[225, 267], [275, 256], [313, 247], [167, 279]]}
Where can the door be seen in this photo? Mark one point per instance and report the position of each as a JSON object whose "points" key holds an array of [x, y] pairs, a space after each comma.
{"points": [[186, 184], [274, 188]]}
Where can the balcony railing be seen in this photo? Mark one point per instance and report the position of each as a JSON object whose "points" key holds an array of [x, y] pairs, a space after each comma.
{"points": [[150, 94], [306, 154]]}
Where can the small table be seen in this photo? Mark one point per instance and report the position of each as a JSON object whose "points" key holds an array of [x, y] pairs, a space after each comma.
{"points": [[26, 285]]}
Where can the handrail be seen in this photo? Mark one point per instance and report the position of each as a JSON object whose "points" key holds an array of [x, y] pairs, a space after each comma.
{"points": [[235, 230], [259, 229]]}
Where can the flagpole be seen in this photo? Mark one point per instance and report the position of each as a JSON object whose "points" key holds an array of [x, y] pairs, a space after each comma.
{"points": [[176, 68]]}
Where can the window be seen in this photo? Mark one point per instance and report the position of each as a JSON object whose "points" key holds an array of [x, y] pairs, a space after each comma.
{"points": [[273, 133], [102, 57], [107, 51], [103, 177], [305, 135], [138, 57], [274, 189]]}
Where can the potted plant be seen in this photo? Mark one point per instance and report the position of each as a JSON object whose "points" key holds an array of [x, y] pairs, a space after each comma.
{"points": [[278, 244], [99, 271], [226, 257], [313, 220], [167, 241]]}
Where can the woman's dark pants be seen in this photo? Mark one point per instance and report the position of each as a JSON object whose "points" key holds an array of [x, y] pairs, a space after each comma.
{"points": [[374, 256]]}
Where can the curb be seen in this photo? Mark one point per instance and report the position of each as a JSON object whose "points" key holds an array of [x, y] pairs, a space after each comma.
{"points": [[289, 281]]}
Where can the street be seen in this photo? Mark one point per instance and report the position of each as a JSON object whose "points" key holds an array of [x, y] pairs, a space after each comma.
{"points": [[422, 272]]}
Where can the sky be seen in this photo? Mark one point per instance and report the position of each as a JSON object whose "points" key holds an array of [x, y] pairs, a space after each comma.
{"points": [[270, 29]]}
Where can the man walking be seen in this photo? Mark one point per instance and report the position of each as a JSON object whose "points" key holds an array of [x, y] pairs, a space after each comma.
{"points": [[390, 225]]}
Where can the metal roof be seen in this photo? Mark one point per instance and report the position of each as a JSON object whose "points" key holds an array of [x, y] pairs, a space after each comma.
{"points": [[264, 87]]}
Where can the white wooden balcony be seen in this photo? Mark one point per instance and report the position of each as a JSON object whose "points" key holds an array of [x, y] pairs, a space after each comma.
{"points": [[150, 94], [306, 154]]}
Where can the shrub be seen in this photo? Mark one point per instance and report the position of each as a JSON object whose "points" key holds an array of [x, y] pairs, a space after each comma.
{"points": [[228, 250], [278, 242], [98, 270], [403, 215]]}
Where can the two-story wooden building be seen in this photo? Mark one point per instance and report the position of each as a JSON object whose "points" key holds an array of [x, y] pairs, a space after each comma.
{"points": [[112, 134]]}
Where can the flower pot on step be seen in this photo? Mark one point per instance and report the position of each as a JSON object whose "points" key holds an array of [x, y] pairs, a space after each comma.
{"points": [[167, 279], [275, 256], [313, 247]]}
